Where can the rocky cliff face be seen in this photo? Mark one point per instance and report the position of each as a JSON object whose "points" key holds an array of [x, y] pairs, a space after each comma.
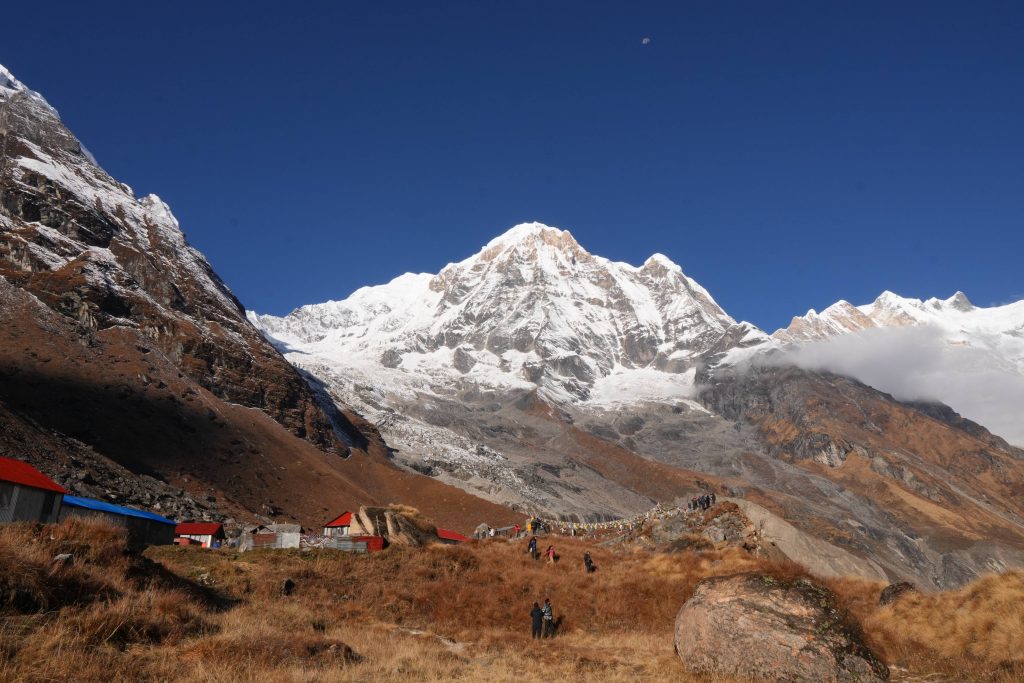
{"points": [[919, 487], [87, 248]]}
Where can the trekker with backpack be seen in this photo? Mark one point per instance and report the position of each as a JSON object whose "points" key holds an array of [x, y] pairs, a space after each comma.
{"points": [[549, 619]]}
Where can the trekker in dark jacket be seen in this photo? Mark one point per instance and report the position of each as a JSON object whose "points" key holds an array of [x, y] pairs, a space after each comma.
{"points": [[537, 615], [532, 547], [588, 562]]}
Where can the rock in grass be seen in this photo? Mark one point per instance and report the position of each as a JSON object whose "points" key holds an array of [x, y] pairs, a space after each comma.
{"points": [[63, 560], [893, 591], [756, 626]]}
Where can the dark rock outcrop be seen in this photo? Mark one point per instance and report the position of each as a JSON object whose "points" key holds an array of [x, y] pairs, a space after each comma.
{"points": [[894, 591]]}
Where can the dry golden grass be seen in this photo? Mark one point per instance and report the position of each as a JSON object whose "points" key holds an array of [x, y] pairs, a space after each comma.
{"points": [[977, 628], [439, 613]]}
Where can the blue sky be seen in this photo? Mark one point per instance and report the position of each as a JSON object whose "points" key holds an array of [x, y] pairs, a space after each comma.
{"points": [[786, 155]]}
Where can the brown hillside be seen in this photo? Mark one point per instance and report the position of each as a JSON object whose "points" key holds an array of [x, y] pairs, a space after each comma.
{"points": [[952, 489]]}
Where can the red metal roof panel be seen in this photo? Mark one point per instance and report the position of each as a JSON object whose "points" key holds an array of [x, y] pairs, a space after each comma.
{"points": [[344, 520], [19, 472], [199, 528]]}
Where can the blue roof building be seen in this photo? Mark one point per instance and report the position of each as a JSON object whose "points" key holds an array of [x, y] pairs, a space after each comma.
{"points": [[143, 528]]}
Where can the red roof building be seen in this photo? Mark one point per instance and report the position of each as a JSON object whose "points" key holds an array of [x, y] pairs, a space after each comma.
{"points": [[20, 472], [207, 534], [450, 537], [28, 495], [339, 526]]}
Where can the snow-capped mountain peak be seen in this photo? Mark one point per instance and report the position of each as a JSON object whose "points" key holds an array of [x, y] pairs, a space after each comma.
{"points": [[889, 310], [531, 232], [531, 308]]}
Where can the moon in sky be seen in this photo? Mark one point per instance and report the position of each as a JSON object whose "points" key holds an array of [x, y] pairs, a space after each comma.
{"points": [[646, 41]]}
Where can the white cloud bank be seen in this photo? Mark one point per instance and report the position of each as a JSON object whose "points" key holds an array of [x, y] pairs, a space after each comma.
{"points": [[925, 363]]}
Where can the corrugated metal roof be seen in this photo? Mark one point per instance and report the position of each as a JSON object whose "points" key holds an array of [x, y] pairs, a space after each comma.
{"points": [[101, 506], [448, 535], [373, 543], [19, 472], [280, 528]]}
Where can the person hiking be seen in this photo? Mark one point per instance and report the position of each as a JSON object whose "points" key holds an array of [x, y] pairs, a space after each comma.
{"points": [[531, 547], [515, 530], [537, 615], [550, 552], [588, 562], [712, 497], [549, 619]]}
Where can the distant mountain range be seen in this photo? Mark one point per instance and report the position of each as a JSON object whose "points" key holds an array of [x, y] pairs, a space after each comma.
{"points": [[945, 350]]}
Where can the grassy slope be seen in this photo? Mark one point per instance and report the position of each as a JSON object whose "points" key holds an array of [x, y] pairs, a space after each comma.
{"points": [[438, 613]]}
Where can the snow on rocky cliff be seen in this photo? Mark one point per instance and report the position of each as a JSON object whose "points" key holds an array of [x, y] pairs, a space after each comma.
{"points": [[532, 307]]}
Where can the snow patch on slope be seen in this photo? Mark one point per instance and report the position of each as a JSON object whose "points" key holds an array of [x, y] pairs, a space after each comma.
{"points": [[629, 386]]}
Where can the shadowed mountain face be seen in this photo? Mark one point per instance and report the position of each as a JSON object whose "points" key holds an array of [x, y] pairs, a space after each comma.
{"points": [[81, 243], [541, 376], [123, 354]]}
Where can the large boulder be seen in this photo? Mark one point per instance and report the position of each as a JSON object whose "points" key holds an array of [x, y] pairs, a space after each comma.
{"points": [[759, 627]]}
